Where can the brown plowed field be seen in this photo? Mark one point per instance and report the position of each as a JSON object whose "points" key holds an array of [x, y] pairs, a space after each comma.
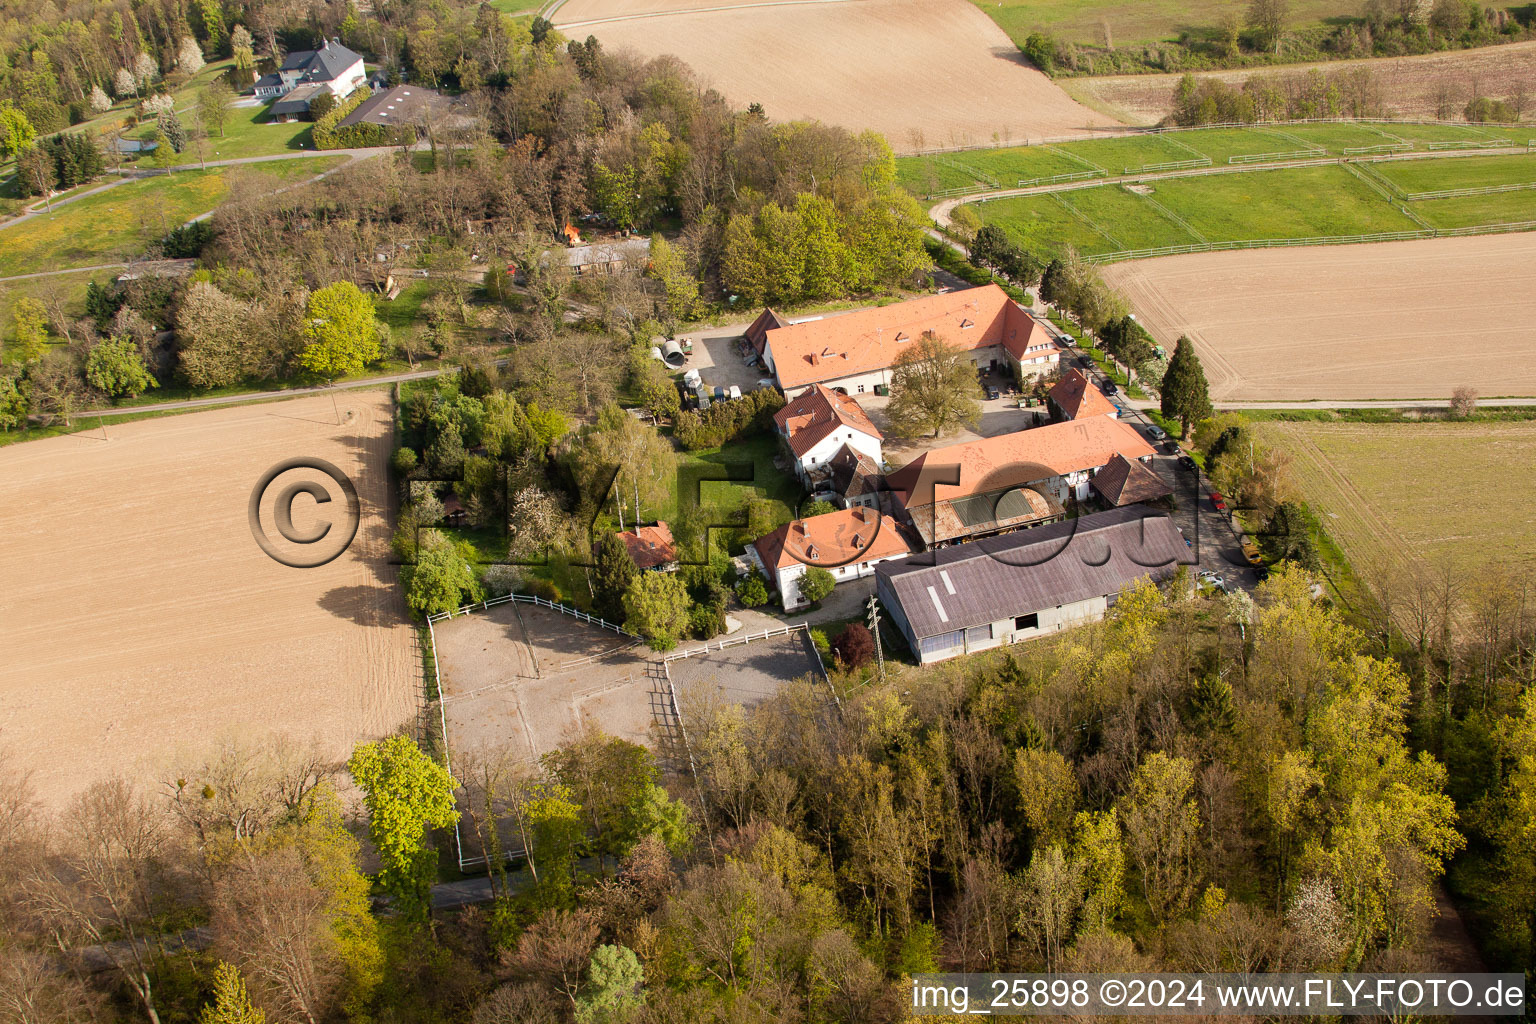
{"points": [[142, 621], [925, 73], [1391, 320], [1411, 87]]}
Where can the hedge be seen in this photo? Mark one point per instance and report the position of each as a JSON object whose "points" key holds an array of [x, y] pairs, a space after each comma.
{"points": [[357, 136]]}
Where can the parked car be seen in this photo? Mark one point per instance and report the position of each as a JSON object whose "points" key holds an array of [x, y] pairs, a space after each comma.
{"points": [[1156, 432], [1251, 551], [1171, 447], [1218, 501], [1110, 388], [1187, 462], [993, 393]]}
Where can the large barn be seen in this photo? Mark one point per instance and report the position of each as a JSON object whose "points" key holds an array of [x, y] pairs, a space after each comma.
{"points": [[853, 353], [1001, 590]]}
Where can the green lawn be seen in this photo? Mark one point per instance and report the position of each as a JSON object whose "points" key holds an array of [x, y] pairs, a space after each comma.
{"points": [[725, 497], [924, 175], [1335, 138], [1221, 143], [1128, 217], [1460, 172], [117, 224], [1298, 202], [1466, 211], [1043, 226], [1021, 163], [1129, 154]]}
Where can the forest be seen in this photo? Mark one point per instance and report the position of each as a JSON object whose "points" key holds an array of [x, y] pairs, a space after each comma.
{"points": [[1201, 782]]}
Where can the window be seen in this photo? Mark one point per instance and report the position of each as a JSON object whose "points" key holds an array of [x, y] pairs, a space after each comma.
{"points": [[976, 634], [861, 389], [1030, 621], [942, 642]]}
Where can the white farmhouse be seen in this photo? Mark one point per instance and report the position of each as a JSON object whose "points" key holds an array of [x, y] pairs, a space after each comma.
{"points": [[306, 74], [818, 424], [848, 544]]}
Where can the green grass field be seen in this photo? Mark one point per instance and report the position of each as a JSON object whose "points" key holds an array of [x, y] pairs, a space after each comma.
{"points": [[1461, 172], [1297, 202], [1134, 223], [1467, 211], [116, 224], [980, 168], [1123, 155], [1146, 21]]}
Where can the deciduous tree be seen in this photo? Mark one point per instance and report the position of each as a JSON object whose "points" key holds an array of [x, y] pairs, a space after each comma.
{"points": [[656, 607], [407, 793], [341, 331], [933, 388]]}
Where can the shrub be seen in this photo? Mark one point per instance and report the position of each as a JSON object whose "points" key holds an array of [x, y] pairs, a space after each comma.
{"points": [[855, 645], [544, 589], [752, 591], [499, 580], [328, 136], [816, 584], [188, 241], [819, 641], [1040, 49], [724, 422], [1485, 109], [404, 461]]}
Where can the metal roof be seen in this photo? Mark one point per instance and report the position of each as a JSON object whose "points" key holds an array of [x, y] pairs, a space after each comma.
{"points": [[999, 577]]}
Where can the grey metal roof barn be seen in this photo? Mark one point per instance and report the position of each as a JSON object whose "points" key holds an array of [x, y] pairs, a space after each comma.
{"points": [[995, 578]]}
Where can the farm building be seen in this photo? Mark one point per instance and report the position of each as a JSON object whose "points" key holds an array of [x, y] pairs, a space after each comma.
{"points": [[848, 544], [853, 353], [857, 480], [818, 424], [404, 106], [306, 74], [607, 257], [1125, 481], [757, 332], [1074, 398], [1002, 590], [997, 484], [652, 547]]}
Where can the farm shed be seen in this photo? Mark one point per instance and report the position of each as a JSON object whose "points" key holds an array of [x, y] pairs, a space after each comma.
{"points": [[1001, 590]]}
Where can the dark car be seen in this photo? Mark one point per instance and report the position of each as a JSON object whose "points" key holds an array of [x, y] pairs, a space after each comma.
{"points": [[1171, 447], [993, 393], [1187, 462], [1110, 388]]}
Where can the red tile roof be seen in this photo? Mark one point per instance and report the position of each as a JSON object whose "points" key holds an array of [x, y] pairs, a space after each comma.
{"points": [[871, 339], [1078, 398], [1011, 460], [757, 331], [650, 546], [838, 538], [816, 414], [1125, 481]]}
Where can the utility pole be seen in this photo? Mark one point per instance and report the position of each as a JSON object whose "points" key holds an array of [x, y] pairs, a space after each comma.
{"points": [[874, 627]]}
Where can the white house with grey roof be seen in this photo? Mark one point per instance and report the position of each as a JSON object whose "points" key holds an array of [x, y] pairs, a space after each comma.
{"points": [[306, 74], [1018, 586]]}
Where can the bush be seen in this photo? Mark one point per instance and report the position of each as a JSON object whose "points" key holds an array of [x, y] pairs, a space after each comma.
{"points": [[328, 136], [1040, 49], [816, 584], [499, 580], [188, 241], [819, 641], [706, 621], [855, 646], [1484, 109], [752, 591], [404, 461], [724, 422], [544, 589]]}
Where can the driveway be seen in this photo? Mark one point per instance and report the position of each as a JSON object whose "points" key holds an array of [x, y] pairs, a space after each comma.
{"points": [[846, 601]]}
